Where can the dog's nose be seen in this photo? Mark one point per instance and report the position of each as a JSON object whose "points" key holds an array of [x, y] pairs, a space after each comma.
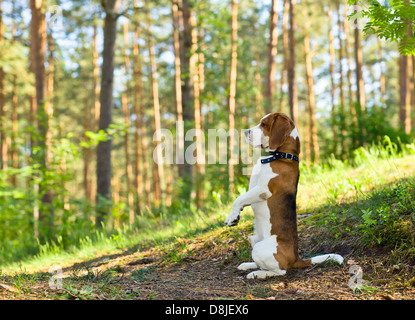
{"points": [[247, 132]]}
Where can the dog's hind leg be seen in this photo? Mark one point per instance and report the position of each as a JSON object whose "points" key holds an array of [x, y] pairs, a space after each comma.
{"points": [[247, 266]]}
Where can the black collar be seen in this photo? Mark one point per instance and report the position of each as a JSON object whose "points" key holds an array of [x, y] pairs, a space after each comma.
{"points": [[279, 155]]}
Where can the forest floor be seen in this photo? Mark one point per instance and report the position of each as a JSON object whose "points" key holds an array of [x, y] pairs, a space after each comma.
{"points": [[204, 265]]}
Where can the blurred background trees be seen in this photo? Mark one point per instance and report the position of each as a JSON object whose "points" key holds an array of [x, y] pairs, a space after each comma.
{"points": [[85, 84]]}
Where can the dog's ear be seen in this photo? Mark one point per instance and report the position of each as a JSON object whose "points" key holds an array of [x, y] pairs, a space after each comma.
{"points": [[280, 129]]}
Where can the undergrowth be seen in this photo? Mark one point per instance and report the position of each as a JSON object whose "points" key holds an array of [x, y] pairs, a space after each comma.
{"points": [[368, 199]]}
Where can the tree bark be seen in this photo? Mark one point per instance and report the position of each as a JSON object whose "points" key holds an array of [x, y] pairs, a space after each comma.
{"points": [[160, 184], [272, 53], [314, 147], [178, 88], [351, 101], [126, 112], [186, 171], [342, 114], [38, 53], [91, 121], [413, 91], [292, 87], [3, 145], [105, 118], [282, 101], [382, 73], [333, 85], [195, 74], [361, 98], [141, 181], [232, 93], [404, 94], [14, 133], [49, 90], [14, 155]]}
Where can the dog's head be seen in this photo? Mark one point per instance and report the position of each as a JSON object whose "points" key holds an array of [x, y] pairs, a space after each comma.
{"points": [[271, 132]]}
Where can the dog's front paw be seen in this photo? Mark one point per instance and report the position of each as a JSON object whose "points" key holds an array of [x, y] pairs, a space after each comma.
{"points": [[232, 219]]}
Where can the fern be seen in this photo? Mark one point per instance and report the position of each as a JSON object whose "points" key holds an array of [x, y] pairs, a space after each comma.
{"points": [[393, 20]]}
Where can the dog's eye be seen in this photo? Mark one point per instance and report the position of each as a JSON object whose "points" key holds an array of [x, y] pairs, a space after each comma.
{"points": [[262, 124]]}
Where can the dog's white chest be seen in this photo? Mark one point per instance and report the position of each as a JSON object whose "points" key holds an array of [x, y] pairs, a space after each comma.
{"points": [[261, 175]]}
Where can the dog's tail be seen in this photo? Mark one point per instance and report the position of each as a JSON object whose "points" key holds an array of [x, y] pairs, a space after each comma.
{"points": [[327, 257], [304, 263]]}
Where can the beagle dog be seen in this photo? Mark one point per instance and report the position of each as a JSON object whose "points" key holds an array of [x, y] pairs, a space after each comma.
{"points": [[272, 196]]}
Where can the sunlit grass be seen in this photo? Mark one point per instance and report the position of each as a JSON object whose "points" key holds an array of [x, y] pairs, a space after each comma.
{"points": [[331, 184], [345, 183]]}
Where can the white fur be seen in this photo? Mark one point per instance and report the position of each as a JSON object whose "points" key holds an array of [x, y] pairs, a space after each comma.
{"points": [[247, 266], [258, 192], [264, 245], [265, 117], [295, 134], [327, 257], [263, 253], [255, 136]]}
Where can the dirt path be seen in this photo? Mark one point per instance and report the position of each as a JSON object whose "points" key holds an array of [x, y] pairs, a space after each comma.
{"points": [[211, 279], [205, 268]]}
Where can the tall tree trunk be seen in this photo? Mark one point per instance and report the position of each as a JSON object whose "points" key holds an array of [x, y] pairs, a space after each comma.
{"points": [[232, 92], [95, 83], [405, 67], [91, 121], [333, 85], [272, 53], [315, 150], [186, 171], [194, 72], [178, 88], [114, 220], [351, 100], [382, 73], [360, 92], [342, 114], [160, 182], [258, 98], [49, 90], [201, 46], [14, 133], [404, 94], [14, 157], [141, 181], [38, 52], [292, 87], [259, 111], [105, 118], [126, 112], [285, 53], [361, 98], [87, 152], [3, 145], [413, 91]]}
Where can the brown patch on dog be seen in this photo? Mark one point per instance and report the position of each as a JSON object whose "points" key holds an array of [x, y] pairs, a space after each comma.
{"points": [[282, 203], [277, 127], [263, 196]]}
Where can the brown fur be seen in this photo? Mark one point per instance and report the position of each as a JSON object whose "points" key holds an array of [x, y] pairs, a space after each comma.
{"points": [[282, 203]]}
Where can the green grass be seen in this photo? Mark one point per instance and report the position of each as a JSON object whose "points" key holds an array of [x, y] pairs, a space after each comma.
{"points": [[369, 200]]}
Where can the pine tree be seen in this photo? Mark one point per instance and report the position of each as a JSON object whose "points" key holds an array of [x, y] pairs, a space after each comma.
{"points": [[106, 101]]}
